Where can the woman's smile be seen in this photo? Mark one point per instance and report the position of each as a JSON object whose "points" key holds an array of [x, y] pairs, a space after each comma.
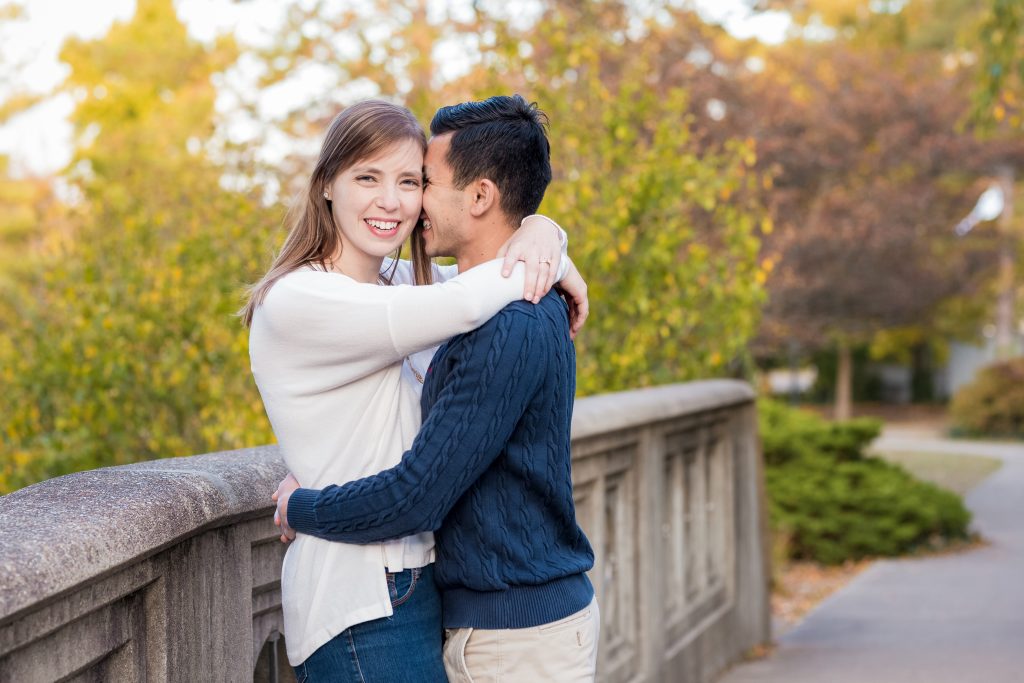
{"points": [[383, 227]]}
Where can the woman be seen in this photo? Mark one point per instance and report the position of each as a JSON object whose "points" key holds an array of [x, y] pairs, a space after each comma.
{"points": [[338, 359]]}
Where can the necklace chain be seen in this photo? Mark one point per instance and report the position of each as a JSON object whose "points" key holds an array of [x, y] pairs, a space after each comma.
{"points": [[415, 373]]}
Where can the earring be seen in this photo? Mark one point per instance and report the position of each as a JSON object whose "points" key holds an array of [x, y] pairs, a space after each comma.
{"points": [[327, 196]]}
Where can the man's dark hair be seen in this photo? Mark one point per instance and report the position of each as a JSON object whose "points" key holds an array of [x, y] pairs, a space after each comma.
{"points": [[502, 139]]}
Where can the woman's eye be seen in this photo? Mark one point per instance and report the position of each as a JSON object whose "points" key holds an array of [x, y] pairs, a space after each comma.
{"points": [[411, 182], [363, 178]]}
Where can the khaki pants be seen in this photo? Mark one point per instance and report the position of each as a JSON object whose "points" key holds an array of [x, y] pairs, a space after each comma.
{"points": [[563, 651]]}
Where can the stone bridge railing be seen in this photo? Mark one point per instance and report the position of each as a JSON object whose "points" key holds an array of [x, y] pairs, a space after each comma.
{"points": [[168, 570]]}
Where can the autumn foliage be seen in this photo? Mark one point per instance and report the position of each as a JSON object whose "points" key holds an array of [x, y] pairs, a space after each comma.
{"points": [[700, 177], [993, 404], [121, 344]]}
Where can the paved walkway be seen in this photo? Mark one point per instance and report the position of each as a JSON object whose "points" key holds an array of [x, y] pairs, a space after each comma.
{"points": [[948, 619]]}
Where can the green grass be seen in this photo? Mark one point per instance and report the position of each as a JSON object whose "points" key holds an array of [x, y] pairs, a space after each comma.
{"points": [[957, 473]]}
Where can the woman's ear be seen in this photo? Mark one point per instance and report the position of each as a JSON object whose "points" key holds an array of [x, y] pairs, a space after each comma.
{"points": [[484, 196]]}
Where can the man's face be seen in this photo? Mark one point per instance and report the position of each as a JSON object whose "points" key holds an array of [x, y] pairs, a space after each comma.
{"points": [[444, 206]]}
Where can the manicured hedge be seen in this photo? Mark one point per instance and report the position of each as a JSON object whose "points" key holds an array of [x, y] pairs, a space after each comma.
{"points": [[832, 504]]}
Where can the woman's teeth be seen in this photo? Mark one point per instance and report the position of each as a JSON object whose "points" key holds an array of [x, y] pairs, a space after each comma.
{"points": [[384, 226]]}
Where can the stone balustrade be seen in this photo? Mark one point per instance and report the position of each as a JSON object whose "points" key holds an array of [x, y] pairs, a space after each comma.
{"points": [[168, 570]]}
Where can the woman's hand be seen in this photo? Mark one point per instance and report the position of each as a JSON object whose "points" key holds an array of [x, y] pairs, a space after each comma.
{"points": [[575, 290], [538, 244], [281, 496]]}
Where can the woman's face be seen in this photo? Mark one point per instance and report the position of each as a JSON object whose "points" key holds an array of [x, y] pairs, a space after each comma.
{"points": [[376, 203]]}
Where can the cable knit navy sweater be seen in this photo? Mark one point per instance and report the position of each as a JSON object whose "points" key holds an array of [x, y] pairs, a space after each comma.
{"points": [[489, 472]]}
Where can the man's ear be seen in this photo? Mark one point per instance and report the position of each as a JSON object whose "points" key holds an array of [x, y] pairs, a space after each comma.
{"points": [[483, 196]]}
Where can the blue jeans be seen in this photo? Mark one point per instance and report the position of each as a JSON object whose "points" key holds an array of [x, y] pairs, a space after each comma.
{"points": [[405, 647]]}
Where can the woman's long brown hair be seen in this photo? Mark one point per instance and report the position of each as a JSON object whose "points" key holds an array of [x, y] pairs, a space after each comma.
{"points": [[361, 131]]}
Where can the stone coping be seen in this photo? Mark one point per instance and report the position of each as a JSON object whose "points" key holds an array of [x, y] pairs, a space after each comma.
{"points": [[606, 413], [65, 532]]}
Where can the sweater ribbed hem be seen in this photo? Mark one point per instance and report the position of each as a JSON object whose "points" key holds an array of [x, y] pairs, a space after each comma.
{"points": [[301, 515], [517, 606]]}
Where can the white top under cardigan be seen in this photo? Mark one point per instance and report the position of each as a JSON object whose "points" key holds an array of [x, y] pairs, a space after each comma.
{"points": [[331, 357]]}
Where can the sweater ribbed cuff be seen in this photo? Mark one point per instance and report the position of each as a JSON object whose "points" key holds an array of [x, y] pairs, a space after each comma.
{"points": [[301, 512]]}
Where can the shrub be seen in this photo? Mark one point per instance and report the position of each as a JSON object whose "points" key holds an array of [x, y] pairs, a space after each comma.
{"points": [[993, 404], [788, 434], [833, 504]]}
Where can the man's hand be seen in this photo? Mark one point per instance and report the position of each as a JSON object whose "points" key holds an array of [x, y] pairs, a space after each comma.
{"points": [[575, 289], [537, 243], [281, 496]]}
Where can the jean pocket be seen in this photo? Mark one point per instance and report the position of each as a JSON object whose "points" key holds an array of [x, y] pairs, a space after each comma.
{"points": [[402, 585], [300, 673]]}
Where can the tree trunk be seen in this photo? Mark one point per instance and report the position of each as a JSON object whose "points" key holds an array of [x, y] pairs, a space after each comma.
{"points": [[844, 382], [1006, 323]]}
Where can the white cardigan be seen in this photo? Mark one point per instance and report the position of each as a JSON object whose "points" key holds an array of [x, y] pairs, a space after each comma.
{"points": [[331, 357]]}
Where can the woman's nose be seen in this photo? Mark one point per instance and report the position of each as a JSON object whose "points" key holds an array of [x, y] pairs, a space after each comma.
{"points": [[388, 199]]}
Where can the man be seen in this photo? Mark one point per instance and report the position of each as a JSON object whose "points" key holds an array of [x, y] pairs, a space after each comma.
{"points": [[489, 470]]}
